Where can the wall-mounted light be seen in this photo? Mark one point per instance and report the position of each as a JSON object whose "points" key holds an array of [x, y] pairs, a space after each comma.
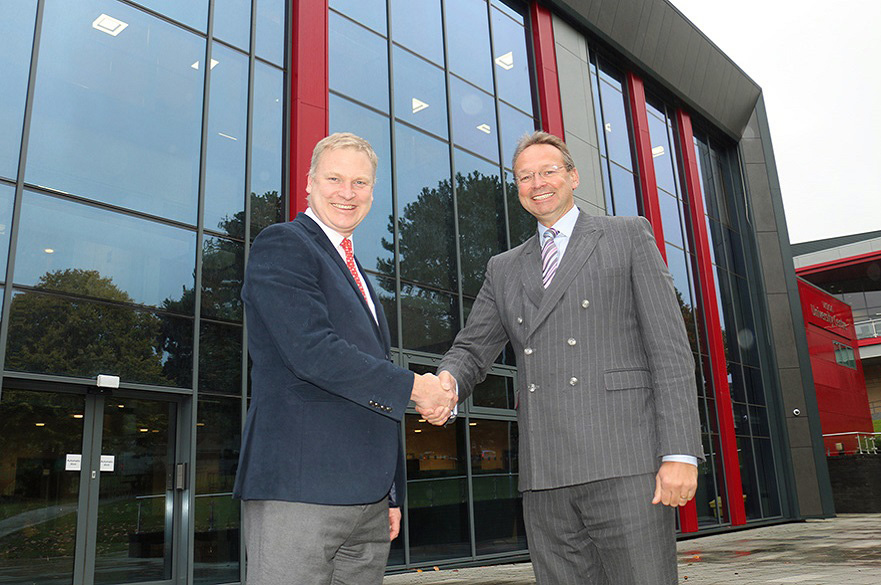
{"points": [[49, 250], [484, 128], [417, 105]]}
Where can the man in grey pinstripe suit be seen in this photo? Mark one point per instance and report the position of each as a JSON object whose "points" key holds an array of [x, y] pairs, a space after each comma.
{"points": [[606, 399]]}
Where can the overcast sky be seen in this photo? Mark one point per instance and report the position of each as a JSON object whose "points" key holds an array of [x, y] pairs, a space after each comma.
{"points": [[818, 63]]}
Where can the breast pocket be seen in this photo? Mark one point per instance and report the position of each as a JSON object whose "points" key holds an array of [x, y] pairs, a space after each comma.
{"points": [[628, 379]]}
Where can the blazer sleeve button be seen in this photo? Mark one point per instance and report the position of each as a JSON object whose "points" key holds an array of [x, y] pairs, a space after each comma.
{"points": [[585, 304], [571, 341], [573, 381]]}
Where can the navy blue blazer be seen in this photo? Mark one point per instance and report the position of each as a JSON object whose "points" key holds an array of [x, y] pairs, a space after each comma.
{"points": [[323, 426]]}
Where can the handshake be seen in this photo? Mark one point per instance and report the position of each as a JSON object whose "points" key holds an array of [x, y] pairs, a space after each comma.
{"points": [[435, 396]]}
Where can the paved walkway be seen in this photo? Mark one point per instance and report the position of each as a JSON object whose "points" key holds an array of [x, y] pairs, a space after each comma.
{"points": [[839, 551]]}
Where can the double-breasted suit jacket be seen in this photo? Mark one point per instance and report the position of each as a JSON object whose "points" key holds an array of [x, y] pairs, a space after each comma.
{"points": [[606, 381], [323, 424]]}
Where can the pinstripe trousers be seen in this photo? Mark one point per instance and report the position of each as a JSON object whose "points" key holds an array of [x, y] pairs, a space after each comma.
{"points": [[604, 532]]}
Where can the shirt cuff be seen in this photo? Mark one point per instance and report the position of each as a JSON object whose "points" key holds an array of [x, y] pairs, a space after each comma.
{"points": [[680, 459]]}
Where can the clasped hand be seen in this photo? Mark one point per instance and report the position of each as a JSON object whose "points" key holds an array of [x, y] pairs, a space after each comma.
{"points": [[435, 397]]}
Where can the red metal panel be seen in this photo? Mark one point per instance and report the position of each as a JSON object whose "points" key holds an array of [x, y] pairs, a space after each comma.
{"points": [[841, 391], [309, 97], [839, 263], [710, 310], [546, 69], [651, 207]]}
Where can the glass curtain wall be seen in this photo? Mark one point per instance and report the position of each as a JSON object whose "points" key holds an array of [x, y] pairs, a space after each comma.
{"points": [[442, 90], [726, 222], [154, 156]]}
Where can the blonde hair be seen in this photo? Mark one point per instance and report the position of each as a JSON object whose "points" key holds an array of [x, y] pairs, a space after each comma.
{"points": [[342, 140]]}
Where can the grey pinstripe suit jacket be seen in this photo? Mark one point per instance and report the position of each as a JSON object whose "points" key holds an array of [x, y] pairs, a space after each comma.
{"points": [[606, 376]]}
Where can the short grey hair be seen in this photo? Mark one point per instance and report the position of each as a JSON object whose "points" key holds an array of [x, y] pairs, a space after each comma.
{"points": [[342, 140], [539, 137]]}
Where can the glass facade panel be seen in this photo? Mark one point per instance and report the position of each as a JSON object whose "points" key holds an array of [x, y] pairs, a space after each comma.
{"points": [[193, 13], [474, 119], [358, 62], [513, 125], [51, 334], [374, 238], [624, 192], [220, 357], [427, 243], [437, 490], [16, 42], [232, 22], [267, 191], [420, 93], [468, 41], [416, 24], [498, 510], [370, 13], [511, 60], [226, 139], [429, 319], [38, 431], [616, 129], [218, 436], [118, 118], [222, 275], [79, 249], [270, 26], [481, 210], [494, 392], [7, 202]]}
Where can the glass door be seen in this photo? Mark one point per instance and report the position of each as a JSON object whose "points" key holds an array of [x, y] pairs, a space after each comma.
{"points": [[90, 488]]}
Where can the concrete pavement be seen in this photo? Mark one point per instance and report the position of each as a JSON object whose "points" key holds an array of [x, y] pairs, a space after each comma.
{"points": [[838, 551]]}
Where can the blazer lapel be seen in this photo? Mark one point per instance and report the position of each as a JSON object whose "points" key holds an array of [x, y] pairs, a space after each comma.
{"points": [[581, 246], [530, 272], [321, 239]]}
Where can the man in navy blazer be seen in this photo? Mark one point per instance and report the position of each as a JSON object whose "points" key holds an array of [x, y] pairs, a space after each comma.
{"points": [[321, 470]]}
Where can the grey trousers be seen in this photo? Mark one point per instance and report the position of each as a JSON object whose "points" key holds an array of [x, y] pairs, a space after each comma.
{"points": [[604, 533], [292, 543]]}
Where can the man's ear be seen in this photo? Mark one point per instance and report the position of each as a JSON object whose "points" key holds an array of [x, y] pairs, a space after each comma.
{"points": [[575, 181]]}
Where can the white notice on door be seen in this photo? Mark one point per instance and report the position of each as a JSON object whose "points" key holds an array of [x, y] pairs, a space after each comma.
{"points": [[73, 462], [107, 462]]}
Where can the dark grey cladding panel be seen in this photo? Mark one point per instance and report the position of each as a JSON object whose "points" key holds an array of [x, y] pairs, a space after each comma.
{"points": [[626, 26], [672, 52]]}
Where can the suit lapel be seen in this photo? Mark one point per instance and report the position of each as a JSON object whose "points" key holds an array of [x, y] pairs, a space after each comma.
{"points": [[321, 238], [531, 271], [581, 245]]}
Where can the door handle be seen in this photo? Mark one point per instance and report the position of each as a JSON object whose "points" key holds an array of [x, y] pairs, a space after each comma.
{"points": [[180, 476]]}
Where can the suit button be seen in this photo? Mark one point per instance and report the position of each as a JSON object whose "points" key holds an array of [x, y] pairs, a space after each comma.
{"points": [[532, 387], [519, 320], [585, 304], [372, 403], [571, 341], [528, 351], [573, 381]]}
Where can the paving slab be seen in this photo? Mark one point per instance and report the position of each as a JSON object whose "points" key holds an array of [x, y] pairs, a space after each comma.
{"points": [[845, 550]]}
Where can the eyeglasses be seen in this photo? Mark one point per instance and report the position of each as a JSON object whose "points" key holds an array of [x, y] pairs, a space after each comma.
{"points": [[546, 174]]}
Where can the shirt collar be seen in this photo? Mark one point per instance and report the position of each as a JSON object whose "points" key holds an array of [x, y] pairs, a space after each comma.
{"points": [[335, 237], [565, 225]]}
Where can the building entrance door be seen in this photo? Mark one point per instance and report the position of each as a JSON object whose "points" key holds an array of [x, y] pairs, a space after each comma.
{"points": [[90, 488]]}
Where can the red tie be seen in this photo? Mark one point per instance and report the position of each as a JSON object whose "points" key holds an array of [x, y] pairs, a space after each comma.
{"points": [[350, 262]]}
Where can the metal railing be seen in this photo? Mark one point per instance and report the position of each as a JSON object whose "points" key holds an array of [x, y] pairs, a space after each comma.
{"points": [[868, 329], [856, 443]]}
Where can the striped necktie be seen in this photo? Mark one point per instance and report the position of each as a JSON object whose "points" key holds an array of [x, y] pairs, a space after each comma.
{"points": [[346, 245], [550, 257]]}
